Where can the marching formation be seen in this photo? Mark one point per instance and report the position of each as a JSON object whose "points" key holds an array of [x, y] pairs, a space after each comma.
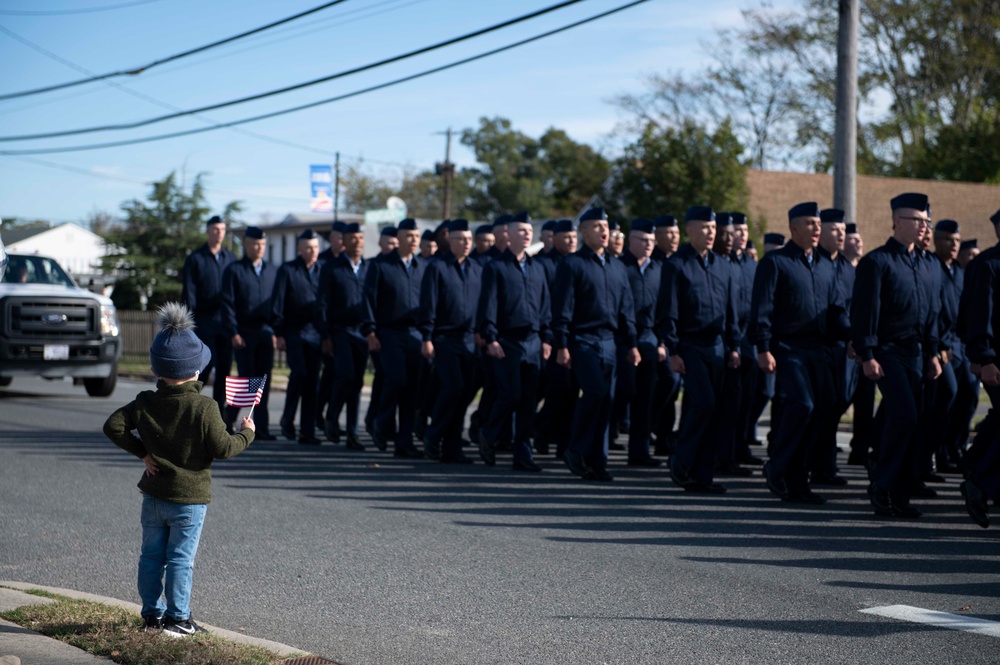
{"points": [[599, 335]]}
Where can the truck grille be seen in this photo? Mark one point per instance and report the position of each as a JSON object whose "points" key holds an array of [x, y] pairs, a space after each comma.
{"points": [[52, 319]]}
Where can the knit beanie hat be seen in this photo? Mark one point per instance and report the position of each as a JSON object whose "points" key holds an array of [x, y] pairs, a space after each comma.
{"points": [[177, 353]]}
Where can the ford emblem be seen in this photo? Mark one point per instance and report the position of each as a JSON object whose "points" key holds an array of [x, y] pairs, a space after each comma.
{"points": [[54, 319]]}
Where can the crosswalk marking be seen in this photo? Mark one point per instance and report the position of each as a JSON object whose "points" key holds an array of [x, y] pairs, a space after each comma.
{"points": [[937, 619]]}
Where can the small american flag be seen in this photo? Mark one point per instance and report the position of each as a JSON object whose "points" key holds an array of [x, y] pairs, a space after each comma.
{"points": [[244, 391]]}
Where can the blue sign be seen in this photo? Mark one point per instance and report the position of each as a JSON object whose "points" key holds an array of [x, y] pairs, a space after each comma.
{"points": [[321, 184]]}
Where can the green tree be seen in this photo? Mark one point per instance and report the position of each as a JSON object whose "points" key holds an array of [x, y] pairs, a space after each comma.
{"points": [[552, 176], [363, 191], [665, 170], [424, 195], [11, 223], [574, 172], [147, 247], [928, 78]]}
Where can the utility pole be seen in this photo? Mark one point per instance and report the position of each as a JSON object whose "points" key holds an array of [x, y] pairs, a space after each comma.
{"points": [[845, 140], [447, 171], [336, 186]]}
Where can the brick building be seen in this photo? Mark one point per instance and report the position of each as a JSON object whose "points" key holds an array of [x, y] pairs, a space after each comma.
{"points": [[772, 193]]}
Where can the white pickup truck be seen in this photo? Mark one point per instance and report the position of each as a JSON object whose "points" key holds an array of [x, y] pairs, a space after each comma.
{"points": [[52, 328]]}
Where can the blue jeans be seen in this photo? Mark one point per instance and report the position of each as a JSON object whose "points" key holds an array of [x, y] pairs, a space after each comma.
{"points": [[170, 536]]}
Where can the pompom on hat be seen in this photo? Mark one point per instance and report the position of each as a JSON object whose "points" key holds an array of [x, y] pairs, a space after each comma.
{"points": [[176, 352]]}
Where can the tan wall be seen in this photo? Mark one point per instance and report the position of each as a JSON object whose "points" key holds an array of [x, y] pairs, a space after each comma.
{"points": [[772, 193]]}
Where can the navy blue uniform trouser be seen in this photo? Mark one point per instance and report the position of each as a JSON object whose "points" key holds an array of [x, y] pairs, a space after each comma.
{"points": [[455, 367], [935, 418], [982, 460], [694, 453], [764, 391], [516, 377], [376, 395], [594, 363], [635, 390], [956, 433], [350, 353], [893, 467], [732, 443], [844, 374], [806, 377], [864, 433], [304, 361], [220, 344], [561, 391], [402, 367], [665, 393], [256, 358], [749, 377], [325, 391]]}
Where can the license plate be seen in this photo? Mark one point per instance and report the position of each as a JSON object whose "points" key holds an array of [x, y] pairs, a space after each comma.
{"points": [[56, 352]]}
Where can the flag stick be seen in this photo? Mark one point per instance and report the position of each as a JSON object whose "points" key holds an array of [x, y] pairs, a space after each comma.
{"points": [[250, 415]]}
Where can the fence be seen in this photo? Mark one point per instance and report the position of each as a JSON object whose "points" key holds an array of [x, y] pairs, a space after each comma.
{"points": [[138, 330]]}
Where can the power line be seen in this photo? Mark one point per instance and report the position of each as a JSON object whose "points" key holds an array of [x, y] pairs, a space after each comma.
{"points": [[295, 32], [138, 70], [298, 86], [457, 63], [63, 12], [109, 176], [153, 100]]}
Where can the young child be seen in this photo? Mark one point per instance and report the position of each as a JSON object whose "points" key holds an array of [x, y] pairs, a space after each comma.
{"points": [[180, 433]]}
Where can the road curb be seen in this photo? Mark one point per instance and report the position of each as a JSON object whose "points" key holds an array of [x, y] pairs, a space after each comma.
{"points": [[277, 647]]}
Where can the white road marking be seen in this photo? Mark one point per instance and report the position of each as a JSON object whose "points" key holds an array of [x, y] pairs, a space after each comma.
{"points": [[937, 619]]}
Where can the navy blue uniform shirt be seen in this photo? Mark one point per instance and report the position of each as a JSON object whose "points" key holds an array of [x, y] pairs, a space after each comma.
{"points": [[202, 277], [979, 313], [645, 284], [341, 295], [893, 302], [295, 292], [592, 297], [482, 258], [746, 269], [392, 293], [697, 301], [952, 282], [449, 296], [549, 261], [796, 300], [326, 256], [246, 297], [845, 274], [513, 303], [659, 255]]}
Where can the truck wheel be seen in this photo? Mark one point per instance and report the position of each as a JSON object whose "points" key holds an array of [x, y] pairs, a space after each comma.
{"points": [[102, 387], [5, 381]]}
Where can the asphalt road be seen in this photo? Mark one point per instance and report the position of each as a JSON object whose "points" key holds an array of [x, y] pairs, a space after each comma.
{"points": [[365, 559]]}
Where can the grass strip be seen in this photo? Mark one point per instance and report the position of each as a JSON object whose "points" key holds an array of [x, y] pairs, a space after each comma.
{"points": [[116, 633]]}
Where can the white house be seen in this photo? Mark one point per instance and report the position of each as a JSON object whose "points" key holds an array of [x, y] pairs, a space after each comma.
{"points": [[281, 237], [77, 249]]}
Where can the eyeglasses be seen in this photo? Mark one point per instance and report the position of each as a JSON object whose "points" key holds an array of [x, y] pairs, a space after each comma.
{"points": [[921, 221]]}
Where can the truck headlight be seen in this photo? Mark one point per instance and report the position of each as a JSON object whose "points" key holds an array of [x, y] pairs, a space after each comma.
{"points": [[109, 321]]}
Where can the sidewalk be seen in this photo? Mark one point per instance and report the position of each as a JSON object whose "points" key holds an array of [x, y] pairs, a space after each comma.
{"points": [[35, 649]]}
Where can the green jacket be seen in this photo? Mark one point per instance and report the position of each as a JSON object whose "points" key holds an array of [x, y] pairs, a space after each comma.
{"points": [[183, 432]]}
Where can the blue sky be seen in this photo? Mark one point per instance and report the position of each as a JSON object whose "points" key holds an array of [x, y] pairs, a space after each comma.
{"points": [[565, 81]]}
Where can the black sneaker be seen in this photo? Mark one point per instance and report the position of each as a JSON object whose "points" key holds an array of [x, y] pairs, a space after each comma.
{"points": [[151, 623], [175, 628]]}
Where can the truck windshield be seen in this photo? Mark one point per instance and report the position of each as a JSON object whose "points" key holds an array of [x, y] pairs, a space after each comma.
{"points": [[23, 269]]}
